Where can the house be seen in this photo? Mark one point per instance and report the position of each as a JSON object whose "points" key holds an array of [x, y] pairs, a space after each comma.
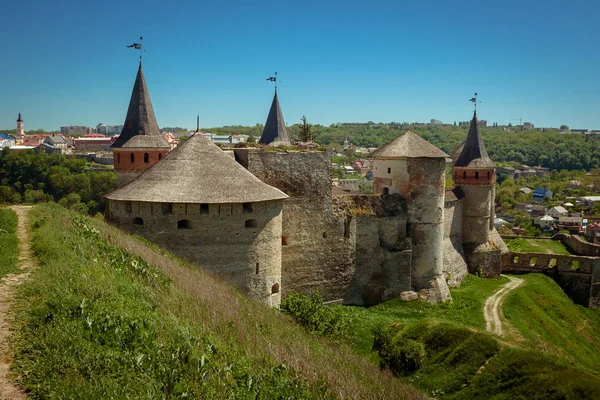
{"points": [[540, 194], [574, 184], [535, 210], [572, 224], [54, 144], [592, 230], [544, 222], [525, 190], [6, 140], [521, 207], [508, 171], [557, 212]]}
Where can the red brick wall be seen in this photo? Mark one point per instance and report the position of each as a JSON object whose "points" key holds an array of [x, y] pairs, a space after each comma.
{"points": [[122, 160], [473, 176]]}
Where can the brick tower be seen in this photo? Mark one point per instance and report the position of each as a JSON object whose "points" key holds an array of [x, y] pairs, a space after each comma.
{"points": [[20, 129], [140, 144]]}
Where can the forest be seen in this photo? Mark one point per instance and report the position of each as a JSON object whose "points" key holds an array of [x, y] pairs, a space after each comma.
{"points": [[550, 149], [35, 177]]}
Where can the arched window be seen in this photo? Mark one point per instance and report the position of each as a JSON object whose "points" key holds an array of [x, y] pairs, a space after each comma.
{"points": [[131, 158], [275, 288], [138, 221], [146, 158], [251, 223], [184, 224]]}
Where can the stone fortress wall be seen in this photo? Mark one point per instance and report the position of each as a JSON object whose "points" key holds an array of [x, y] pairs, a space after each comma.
{"points": [[242, 242]]}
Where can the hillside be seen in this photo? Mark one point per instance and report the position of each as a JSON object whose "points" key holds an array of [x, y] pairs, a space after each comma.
{"points": [[105, 316]]}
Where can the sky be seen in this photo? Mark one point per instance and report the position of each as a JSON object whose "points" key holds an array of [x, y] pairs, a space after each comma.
{"points": [[66, 62]]}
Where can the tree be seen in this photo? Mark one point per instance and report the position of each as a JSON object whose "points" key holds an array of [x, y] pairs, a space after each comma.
{"points": [[251, 139], [306, 135]]}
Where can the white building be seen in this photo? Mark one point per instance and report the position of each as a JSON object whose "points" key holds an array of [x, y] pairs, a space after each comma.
{"points": [[544, 222], [557, 212]]}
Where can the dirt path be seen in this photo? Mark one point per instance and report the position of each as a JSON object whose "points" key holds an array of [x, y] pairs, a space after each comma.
{"points": [[7, 389], [492, 304]]}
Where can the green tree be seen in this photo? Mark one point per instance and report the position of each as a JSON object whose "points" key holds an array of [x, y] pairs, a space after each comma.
{"points": [[306, 134]]}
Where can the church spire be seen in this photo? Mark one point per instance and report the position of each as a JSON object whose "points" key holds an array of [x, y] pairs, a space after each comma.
{"points": [[140, 128], [274, 131], [474, 154]]}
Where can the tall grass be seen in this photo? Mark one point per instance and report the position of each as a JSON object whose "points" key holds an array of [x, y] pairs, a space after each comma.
{"points": [[9, 243], [106, 316]]}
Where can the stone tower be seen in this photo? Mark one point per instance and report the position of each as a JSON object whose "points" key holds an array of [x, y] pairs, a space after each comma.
{"points": [[474, 172], [140, 144], [274, 131], [200, 204], [414, 168], [20, 128]]}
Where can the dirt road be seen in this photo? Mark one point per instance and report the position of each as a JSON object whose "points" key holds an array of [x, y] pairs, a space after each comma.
{"points": [[492, 304], [7, 389]]}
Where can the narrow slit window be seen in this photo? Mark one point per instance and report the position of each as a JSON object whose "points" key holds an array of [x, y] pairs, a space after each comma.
{"points": [[146, 158], [257, 266], [464, 174], [389, 170], [476, 174], [131, 158], [118, 158], [159, 156]]}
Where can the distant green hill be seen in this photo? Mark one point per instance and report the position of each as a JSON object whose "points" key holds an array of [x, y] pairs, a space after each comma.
{"points": [[106, 316]]}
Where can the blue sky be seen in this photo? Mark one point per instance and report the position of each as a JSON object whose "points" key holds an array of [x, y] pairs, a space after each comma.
{"points": [[65, 62]]}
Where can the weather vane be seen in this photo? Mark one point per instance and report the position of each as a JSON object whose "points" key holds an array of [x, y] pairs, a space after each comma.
{"points": [[273, 79], [474, 101], [137, 46]]}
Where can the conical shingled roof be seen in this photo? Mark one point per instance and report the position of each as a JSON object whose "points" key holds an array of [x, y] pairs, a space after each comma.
{"points": [[140, 128], [474, 154], [409, 145], [197, 172], [274, 131]]}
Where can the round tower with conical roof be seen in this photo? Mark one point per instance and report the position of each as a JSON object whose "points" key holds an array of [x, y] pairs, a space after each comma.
{"points": [[274, 132], [474, 172], [141, 143], [414, 168]]}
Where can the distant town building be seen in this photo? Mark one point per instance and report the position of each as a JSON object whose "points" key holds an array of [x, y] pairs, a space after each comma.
{"points": [[109, 130], [54, 144], [75, 130], [436, 122], [540, 194], [6, 141], [527, 125], [20, 127]]}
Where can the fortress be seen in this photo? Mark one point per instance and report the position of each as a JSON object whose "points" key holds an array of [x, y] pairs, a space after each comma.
{"points": [[266, 220]]}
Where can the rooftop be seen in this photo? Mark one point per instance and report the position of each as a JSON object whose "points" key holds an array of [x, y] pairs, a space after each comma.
{"points": [[197, 171], [409, 145], [474, 154]]}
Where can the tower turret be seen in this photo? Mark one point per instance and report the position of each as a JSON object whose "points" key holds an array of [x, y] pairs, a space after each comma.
{"points": [[274, 131], [140, 144], [474, 172], [414, 168]]}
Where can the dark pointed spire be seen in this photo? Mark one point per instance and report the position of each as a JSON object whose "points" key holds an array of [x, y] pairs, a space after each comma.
{"points": [[19, 119], [274, 131], [140, 128], [473, 154]]}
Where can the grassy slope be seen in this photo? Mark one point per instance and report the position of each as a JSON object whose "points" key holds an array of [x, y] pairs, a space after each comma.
{"points": [[547, 320], [465, 310], [537, 246], [9, 250], [98, 321]]}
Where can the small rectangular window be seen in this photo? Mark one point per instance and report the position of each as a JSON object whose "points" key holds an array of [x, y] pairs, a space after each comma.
{"points": [[167, 208], [389, 170], [284, 240], [203, 208], [128, 207], [386, 190], [246, 208]]}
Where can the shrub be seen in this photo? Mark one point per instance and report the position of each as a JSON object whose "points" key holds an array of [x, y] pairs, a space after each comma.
{"points": [[402, 356], [311, 313]]}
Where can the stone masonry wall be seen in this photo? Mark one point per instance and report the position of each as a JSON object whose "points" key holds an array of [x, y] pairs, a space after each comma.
{"points": [[383, 251], [241, 246], [318, 246], [578, 276], [455, 264]]}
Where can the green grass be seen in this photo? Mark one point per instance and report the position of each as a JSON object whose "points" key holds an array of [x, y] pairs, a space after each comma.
{"points": [[105, 316], [547, 320], [466, 309], [9, 250], [523, 245]]}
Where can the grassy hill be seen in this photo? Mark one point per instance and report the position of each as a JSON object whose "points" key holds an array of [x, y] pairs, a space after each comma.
{"points": [[106, 316], [9, 248]]}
